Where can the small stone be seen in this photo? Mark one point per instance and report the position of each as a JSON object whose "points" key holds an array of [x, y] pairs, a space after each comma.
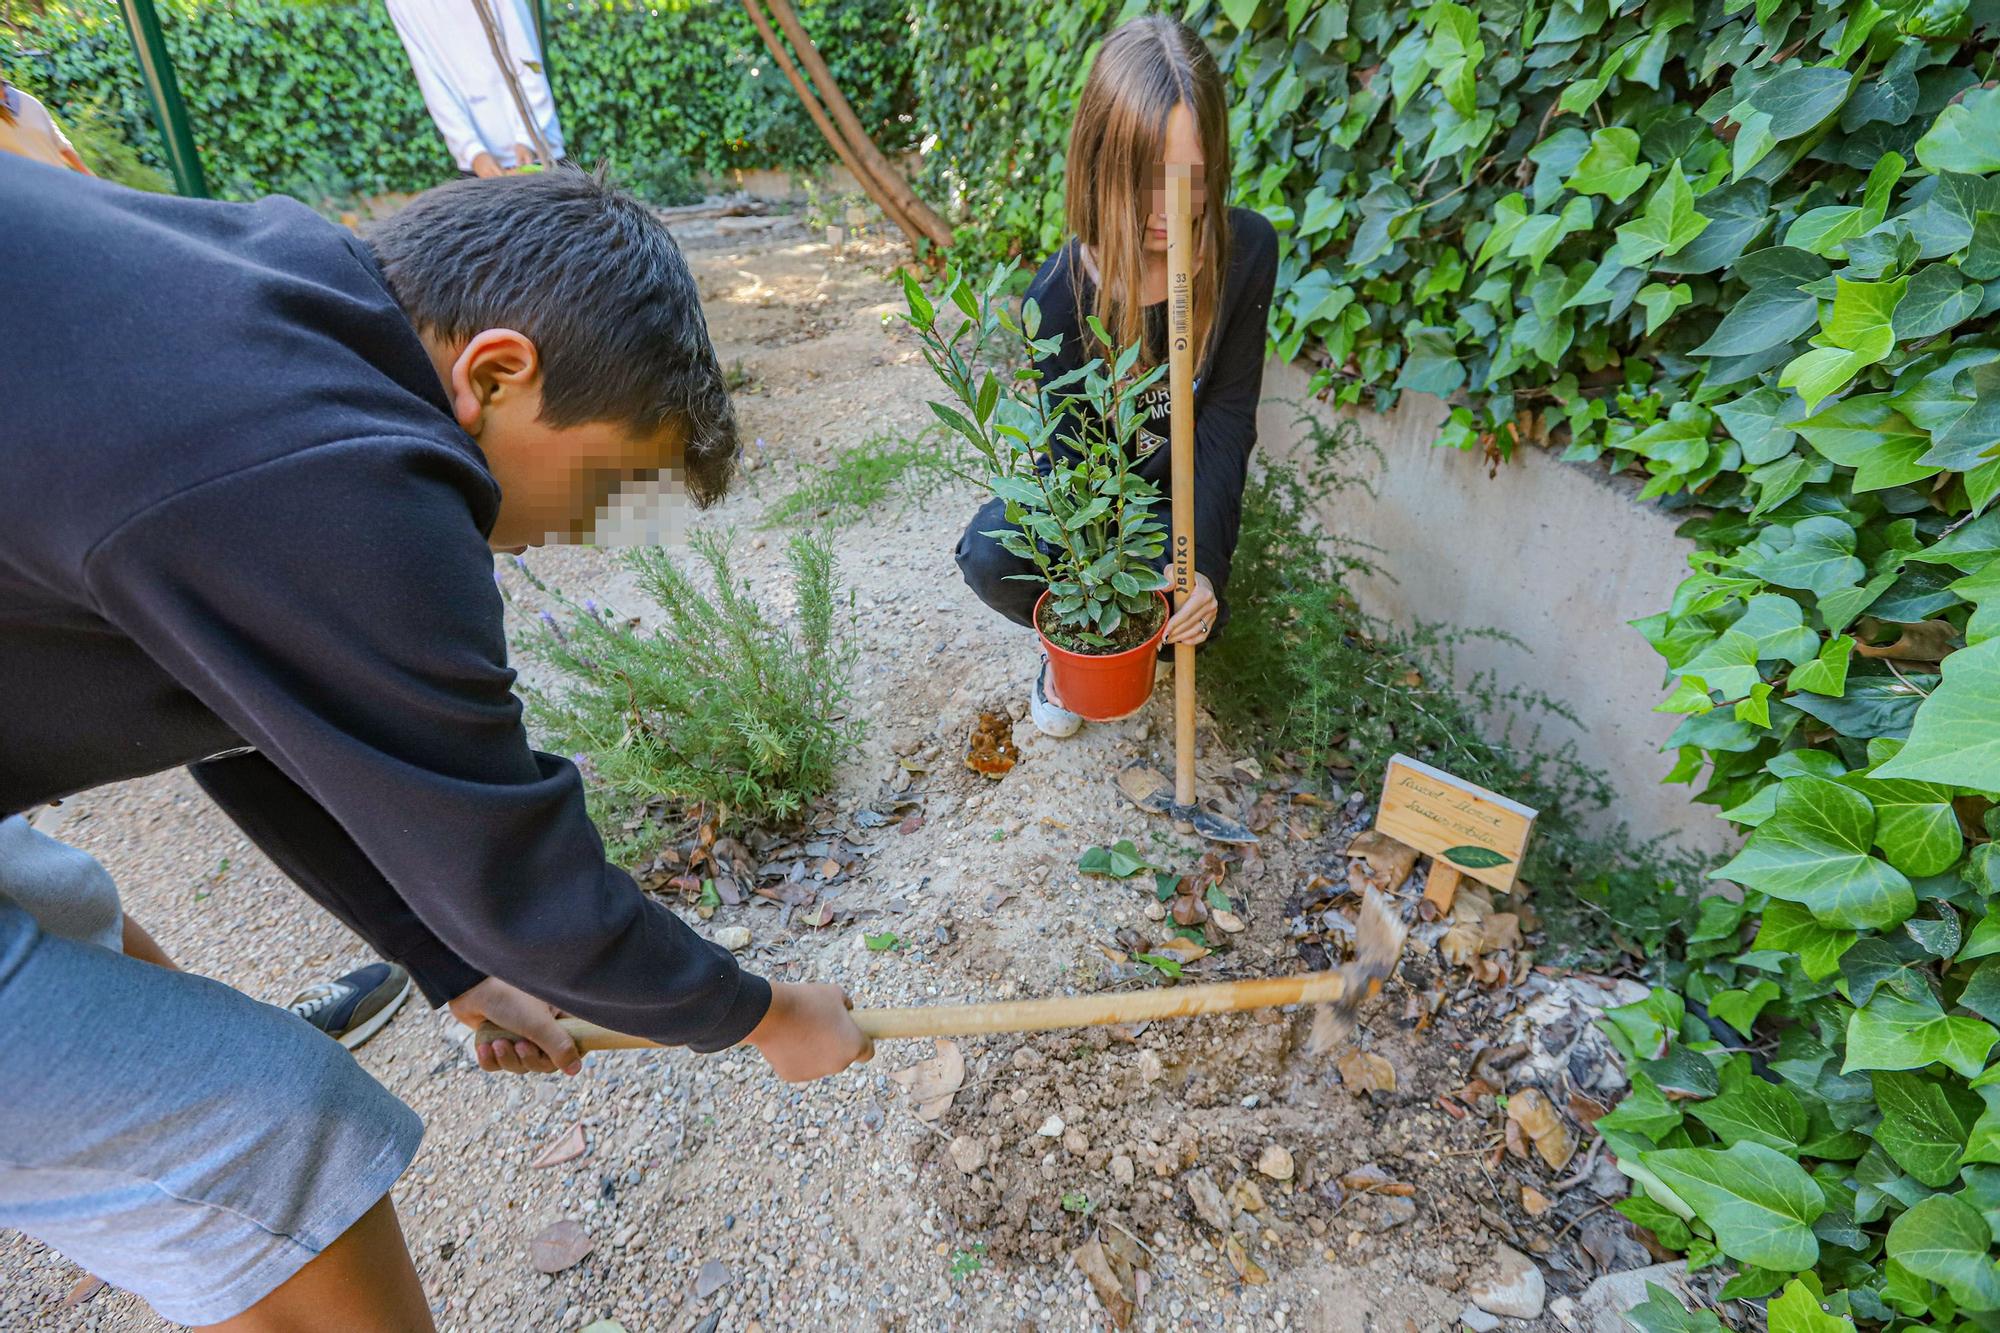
{"points": [[1478, 1320], [1208, 1201], [1276, 1162], [1516, 1289], [1075, 1141], [733, 938], [1052, 1128], [968, 1154], [1150, 1070], [1227, 921], [1122, 1169], [560, 1246], [1155, 912], [713, 1277]]}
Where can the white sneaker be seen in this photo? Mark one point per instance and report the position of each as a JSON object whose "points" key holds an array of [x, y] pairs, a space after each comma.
{"points": [[1051, 719]]}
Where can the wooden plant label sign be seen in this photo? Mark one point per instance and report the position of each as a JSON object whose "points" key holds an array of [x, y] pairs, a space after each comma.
{"points": [[1458, 824]]}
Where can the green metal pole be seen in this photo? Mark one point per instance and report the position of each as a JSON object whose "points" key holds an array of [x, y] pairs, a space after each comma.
{"points": [[157, 68]]}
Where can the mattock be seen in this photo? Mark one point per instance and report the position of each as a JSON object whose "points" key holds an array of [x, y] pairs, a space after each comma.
{"points": [[1379, 935]]}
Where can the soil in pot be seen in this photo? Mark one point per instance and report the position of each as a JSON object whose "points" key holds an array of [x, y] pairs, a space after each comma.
{"points": [[1104, 684]]}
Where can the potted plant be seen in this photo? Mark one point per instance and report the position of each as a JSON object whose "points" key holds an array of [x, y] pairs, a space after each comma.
{"points": [[1059, 455]]}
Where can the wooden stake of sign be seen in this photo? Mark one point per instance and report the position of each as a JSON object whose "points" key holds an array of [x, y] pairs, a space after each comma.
{"points": [[1180, 398], [1466, 830]]}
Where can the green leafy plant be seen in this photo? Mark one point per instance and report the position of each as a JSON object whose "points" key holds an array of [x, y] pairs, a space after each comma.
{"points": [[1121, 860], [659, 177], [885, 942], [964, 1263], [1059, 454], [864, 475], [100, 141], [717, 707]]}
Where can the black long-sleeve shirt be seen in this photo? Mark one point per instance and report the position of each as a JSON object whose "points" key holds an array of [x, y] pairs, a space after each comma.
{"points": [[1226, 389], [235, 511]]}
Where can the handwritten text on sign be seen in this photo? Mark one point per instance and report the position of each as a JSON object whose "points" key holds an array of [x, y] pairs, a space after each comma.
{"points": [[1480, 834]]}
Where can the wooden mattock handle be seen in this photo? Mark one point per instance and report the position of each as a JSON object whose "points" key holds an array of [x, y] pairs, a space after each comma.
{"points": [[1071, 1011], [1181, 353]]}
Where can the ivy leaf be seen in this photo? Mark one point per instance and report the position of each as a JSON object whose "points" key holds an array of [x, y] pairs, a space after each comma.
{"points": [[1867, 434], [1894, 1032], [1611, 167], [1789, 928], [1662, 1312], [1668, 222], [1947, 1241], [1727, 666], [1814, 851], [1797, 1310], [1737, 213], [1971, 437], [1739, 1007], [1798, 99], [1859, 332], [1778, 625], [1774, 311], [1826, 674], [1982, 992], [1880, 960], [1956, 738], [1938, 298], [1760, 421], [1924, 1125], [1813, 555], [1645, 1110], [1870, 706], [1965, 137], [1121, 860], [1660, 301], [1759, 1203], [1750, 1110], [1915, 825]]}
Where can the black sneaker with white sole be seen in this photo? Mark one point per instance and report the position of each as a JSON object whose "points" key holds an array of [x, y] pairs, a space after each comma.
{"points": [[355, 1007]]}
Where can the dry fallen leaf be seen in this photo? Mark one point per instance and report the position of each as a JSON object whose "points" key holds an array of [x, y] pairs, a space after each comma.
{"points": [[1533, 1202], [1141, 784], [562, 1245], [1502, 930], [1111, 1278], [1539, 1120], [1207, 1199], [933, 1083], [1240, 1260], [1389, 862], [85, 1288], [990, 750], [1459, 945], [1183, 949], [566, 1147], [1372, 1179], [1228, 921], [1364, 1071]]}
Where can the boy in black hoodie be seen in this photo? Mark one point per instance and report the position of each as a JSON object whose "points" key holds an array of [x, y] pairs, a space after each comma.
{"points": [[251, 474]]}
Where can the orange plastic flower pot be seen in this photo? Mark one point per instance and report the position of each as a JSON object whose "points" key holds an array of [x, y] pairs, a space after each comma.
{"points": [[1103, 687]]}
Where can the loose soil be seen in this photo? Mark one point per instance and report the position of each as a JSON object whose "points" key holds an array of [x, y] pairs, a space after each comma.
{"points": [[833, 1205]]}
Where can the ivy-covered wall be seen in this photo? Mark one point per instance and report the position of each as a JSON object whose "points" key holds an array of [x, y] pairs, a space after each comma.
{"points": [[1747, 251], [316, 96]]}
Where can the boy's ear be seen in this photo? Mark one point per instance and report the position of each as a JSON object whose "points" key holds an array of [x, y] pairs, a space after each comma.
{"points": [[494, 364]]}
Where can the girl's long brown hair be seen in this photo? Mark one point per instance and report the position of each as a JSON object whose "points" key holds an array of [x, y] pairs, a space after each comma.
{"points": [[1144, 69]]}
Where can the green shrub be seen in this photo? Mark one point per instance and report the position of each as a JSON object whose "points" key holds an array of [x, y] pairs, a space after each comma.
{"points": [[719, 707], [659, 178], [280, 92], [101, 144]]}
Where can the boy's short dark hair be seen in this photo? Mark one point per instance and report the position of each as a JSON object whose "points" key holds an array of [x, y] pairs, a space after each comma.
{"points": [[594, 278]]}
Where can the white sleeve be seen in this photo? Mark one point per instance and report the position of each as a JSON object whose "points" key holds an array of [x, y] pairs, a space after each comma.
{"points": [[448, 111]]}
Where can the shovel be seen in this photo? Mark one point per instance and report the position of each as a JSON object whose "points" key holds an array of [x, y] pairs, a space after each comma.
{"points": [[1378, 944], [1147, 788]]}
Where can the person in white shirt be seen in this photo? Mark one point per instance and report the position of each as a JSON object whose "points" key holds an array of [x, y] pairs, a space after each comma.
{"points": [[27, 130], [479, 65]]}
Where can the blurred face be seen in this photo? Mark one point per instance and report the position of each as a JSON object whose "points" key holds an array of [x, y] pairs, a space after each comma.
{"points": [[556, 483], [1182, 145]]}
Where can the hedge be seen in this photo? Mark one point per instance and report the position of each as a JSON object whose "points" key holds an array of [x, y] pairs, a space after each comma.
{"points": [[1747, 251], [318, 99]]}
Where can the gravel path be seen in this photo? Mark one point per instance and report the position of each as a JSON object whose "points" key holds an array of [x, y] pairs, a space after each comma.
{"points": [[830, 1206]]}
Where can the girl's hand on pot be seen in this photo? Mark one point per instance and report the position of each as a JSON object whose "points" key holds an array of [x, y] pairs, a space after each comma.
{"points": [[1193, 622]]}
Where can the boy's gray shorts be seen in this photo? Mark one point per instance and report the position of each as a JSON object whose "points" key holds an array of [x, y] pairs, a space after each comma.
{"points": [[166, 1133]]}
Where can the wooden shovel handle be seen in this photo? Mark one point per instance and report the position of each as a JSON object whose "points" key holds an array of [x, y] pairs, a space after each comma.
{"points": [[1073, 1011]]}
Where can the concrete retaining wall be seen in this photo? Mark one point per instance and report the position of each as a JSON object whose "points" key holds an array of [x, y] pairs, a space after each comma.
{"points": [[1556, 554]]}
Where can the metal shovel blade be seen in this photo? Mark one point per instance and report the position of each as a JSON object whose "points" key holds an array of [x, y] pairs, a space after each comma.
{"points": [[1153, 792]]}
